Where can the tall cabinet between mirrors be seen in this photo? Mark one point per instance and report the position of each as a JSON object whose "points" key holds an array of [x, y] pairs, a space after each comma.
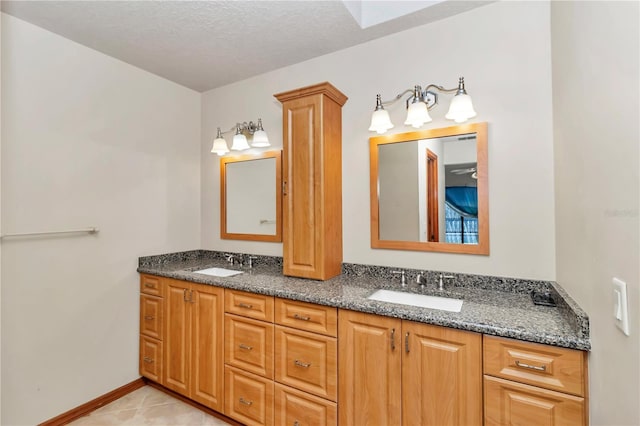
{"points": [[312, 181]]}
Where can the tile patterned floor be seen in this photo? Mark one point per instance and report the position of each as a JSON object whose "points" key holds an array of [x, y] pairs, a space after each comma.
{"points": [[148, 406]]}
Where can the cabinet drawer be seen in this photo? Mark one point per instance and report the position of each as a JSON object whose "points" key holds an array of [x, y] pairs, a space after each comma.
{"points": [[307, 316], [151, 358], [510, 403], [249, 345], [293, 407], [248, 398], [256, 306], [306, 361], [546, 366], [151, 285], [151, 316]]}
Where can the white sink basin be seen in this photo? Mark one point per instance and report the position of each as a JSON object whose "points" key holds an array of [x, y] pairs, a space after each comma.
{"points": [[420, 300], [218, 272]]}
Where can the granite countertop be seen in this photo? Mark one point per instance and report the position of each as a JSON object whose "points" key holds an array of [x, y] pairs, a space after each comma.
{"points": [[492, 305]]}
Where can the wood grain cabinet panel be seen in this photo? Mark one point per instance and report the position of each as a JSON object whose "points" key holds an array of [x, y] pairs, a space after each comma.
{"points": [[194, 355], [307, 316], [250, 305], [312, 178], [550, 367], [248, 398], [510, 403], [151, 312], [151, 358], [249, 345], [441, 376], [307, 361], [370, 360], [293, 407], [151, 285]]}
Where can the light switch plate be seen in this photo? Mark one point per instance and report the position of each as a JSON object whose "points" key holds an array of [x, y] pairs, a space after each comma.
{"points": [[620, 313]]}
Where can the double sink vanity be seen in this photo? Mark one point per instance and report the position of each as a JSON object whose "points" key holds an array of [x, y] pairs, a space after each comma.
{"points": [[306, 339], [264, 348]]}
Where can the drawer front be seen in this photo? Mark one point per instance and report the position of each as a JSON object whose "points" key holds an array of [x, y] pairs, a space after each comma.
{"points": [[151, 316], [546, 366], [510, 403], [293, 407], [307, 316], [256, 306], [151, 358], [151, 285], [249, 345], [248, 398], [307, 361]]}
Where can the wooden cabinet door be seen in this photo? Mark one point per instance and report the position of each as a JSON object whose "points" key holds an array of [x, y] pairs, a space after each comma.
{"points": [[151, 358], [207, 353], [151, 323], [511, 403], [177, 337], [441, 376], [369, 356]]}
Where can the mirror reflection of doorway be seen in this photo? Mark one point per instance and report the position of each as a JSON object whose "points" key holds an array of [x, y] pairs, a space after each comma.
{"points": [[432, 197]]}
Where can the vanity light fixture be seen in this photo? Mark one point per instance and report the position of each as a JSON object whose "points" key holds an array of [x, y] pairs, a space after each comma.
{"points": [[240, 142], [419, 104]]}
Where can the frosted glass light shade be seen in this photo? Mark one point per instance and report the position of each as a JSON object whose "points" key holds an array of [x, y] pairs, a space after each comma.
{"points": [[260, 139], [239, 142], [461, 108], [219, 146], [417, 115], [380, 121]]}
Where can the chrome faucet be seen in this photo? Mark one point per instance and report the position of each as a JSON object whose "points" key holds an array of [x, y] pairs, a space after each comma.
{"points": [[421, 280], [250, 260], [441, 281], [233, 259], [403, 277]]}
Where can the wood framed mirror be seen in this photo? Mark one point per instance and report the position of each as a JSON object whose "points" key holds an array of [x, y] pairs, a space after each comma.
{"points": [[429, 190], [251, 197]]}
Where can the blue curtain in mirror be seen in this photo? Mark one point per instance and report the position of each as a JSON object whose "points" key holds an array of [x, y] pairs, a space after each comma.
{"points": [[461, 214]]}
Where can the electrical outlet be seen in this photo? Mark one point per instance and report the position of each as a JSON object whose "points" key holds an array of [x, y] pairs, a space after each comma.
{"points": [[620, 313]]}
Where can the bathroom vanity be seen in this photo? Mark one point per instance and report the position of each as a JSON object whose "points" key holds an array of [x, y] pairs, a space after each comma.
{"points": [[264, 348]]}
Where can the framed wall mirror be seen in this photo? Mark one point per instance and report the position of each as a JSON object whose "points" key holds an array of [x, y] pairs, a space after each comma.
{"points": [[251, 197], [429, 190]]}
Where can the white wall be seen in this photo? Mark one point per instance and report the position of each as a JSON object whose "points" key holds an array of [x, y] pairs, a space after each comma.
{"points": [[503, 51], [87, 140], [596, 68]]}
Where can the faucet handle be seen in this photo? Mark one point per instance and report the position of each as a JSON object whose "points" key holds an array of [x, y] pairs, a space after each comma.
{"points": [[420, 279], [403, 277], [250, 259], [230, 257], [441, 282]]}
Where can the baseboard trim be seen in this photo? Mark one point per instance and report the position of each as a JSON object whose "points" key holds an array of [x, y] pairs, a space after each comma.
{"points": [[194, 404], [94, 404]]}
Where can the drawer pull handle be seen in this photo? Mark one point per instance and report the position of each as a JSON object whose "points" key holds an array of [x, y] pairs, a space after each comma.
{"points": [[148, 360], [149, 285], [301, 317], [245, 402], [406, 342], [302, 364], [393, 339], [245, 347], [531, 367], [149, 317], [245, 305]]}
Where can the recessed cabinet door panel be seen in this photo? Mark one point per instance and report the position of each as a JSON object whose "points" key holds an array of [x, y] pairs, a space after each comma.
{"points": [[151, 358], [151, 316], [300, 213], [307, 362], [370, 359], [178, 332], [248, 398], [441, 376], [207, 355], [510, 403], [293, 407], [249, 345]]}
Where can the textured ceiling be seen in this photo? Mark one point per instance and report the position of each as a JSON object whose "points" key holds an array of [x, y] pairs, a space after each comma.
{"points": [[207, 44]]}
